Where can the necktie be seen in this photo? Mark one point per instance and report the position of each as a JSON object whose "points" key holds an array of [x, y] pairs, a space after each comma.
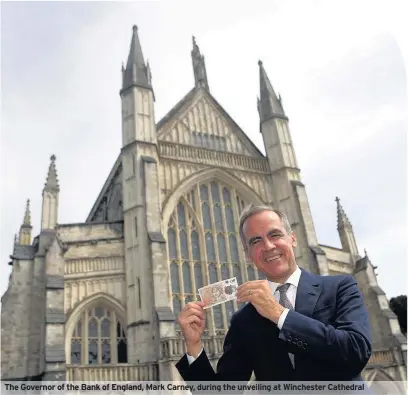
{"points": [[285, 302]]}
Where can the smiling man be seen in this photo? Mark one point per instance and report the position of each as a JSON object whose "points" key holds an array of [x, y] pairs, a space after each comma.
{"points": [[296, 325]]}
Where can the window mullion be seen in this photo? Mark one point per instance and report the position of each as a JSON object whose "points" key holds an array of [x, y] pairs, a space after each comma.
{"points": [[241, 252], [226, 234], [99, 333], [217, 255], [201, 235], [190, 250], [85, 356], [256, 273], [179, 261], [203, 252], [113, 338], [226, 240], [203, 249], [214, 229]]}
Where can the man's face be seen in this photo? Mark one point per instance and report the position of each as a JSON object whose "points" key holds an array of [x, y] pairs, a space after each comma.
{"points": [[270, 246]]}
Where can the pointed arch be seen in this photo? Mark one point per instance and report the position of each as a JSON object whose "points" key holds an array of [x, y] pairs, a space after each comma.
{"points": [[216, 174], [207, 250], [91, 301], [112, 320]]}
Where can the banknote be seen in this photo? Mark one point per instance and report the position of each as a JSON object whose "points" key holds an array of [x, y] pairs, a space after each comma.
{"points": [[219, 292]]}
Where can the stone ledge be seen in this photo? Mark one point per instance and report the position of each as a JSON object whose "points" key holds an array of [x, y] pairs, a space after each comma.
{"points": [[23, 252], [90, 224], [156, 237], [138, 323], [165, 314], [317, 250], [106, 240], [148, 159], [295, 182], [389, 313], [55, 282]]}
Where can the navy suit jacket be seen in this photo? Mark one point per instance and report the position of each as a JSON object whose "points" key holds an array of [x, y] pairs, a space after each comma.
{"points": [[328, 333]]}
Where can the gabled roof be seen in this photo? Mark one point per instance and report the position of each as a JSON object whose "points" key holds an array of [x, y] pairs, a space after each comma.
{"points": [[188, 99], [182, 105]]}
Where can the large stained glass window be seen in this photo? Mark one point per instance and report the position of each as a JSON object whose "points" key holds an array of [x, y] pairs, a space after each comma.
{"points": [[98, 338], [204, 247]]}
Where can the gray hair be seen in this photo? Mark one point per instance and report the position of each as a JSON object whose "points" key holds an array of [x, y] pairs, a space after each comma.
{"points": [[252, 210]]}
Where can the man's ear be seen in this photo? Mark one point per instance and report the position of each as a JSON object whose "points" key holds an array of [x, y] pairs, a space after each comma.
{"points": [[294, 241]]}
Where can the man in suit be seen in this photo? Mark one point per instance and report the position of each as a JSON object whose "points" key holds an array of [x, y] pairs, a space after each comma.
{"points": [[295, 326]]}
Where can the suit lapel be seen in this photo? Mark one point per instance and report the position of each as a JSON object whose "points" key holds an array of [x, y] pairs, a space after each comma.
{"points": [[309, 289]]}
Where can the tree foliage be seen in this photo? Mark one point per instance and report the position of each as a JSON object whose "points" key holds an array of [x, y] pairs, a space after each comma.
{"points": [[399, 306]]}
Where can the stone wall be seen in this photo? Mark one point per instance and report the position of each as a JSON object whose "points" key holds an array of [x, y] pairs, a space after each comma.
{"points": [[37, 319], [89, 231], [16, 312], [54, 312]]}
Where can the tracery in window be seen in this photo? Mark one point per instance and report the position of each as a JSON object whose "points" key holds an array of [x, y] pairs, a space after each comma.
{"points": [[207, 251], [98, 338]]}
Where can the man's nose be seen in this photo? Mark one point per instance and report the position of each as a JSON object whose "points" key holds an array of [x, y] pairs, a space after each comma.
{"points": [[269, 245]]}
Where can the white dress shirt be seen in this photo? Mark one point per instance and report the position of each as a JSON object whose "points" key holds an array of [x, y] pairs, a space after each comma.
{"points": [[293, 280]]}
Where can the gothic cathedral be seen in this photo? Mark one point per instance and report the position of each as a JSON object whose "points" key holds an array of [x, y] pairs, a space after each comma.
{"points": [[98, 300]]}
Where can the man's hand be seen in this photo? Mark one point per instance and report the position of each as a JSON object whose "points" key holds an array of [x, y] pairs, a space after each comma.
{"points": [[259, 294], [192, 323]]}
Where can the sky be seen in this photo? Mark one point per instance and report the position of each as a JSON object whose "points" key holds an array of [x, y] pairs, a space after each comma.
{"points": [[340, 67]]}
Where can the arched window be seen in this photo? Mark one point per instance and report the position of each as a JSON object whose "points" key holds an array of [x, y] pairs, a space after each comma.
{"points": [[208, 251], [98, 338]]}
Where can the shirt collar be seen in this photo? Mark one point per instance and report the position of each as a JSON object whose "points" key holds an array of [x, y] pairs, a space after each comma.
{"points": [[293, 279]]}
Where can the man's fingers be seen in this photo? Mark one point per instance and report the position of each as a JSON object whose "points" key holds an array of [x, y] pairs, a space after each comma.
{"points": [[191, 313], [247, 292], [193, 319], [195, 305], [250, 287], [247, 297], [192, 310]]}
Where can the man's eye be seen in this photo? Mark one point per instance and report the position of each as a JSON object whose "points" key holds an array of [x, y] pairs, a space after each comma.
{"points": [[255, 242]]}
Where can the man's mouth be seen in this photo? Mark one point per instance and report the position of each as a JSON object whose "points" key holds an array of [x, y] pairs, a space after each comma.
{"points": [[273, 258]]}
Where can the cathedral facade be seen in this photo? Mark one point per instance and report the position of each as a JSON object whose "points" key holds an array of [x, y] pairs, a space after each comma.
{"points": [[98, 300]]}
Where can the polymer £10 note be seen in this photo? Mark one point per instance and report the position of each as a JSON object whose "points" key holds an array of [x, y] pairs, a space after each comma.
{"points": [[218, 293]]}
